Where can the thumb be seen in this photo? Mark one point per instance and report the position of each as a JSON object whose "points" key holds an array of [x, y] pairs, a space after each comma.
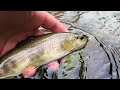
{"points": [[47, 21]]}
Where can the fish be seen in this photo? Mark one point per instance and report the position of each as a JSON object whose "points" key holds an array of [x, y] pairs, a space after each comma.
{"points": [[39, 51]]}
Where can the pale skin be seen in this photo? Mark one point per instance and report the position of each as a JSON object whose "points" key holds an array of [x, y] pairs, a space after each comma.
{"points": [[16, 26]]}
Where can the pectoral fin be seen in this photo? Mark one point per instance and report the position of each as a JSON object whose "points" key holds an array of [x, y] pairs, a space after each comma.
{"points": [[29, 71]]}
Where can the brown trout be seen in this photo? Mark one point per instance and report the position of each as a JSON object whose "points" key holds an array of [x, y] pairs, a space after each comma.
{"points": [[40, 51]]}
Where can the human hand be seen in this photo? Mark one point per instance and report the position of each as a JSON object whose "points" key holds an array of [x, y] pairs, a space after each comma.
{"points": [[16, 26]]}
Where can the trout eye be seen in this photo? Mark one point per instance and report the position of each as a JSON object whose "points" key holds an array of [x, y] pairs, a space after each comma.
{"points": [[82, 37]]}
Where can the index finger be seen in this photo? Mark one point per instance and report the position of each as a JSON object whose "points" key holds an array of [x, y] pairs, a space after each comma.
{"points": [[48, 21]]}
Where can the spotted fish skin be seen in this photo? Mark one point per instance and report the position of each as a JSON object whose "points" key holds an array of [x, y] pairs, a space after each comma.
{"points": [[40, 51]]}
